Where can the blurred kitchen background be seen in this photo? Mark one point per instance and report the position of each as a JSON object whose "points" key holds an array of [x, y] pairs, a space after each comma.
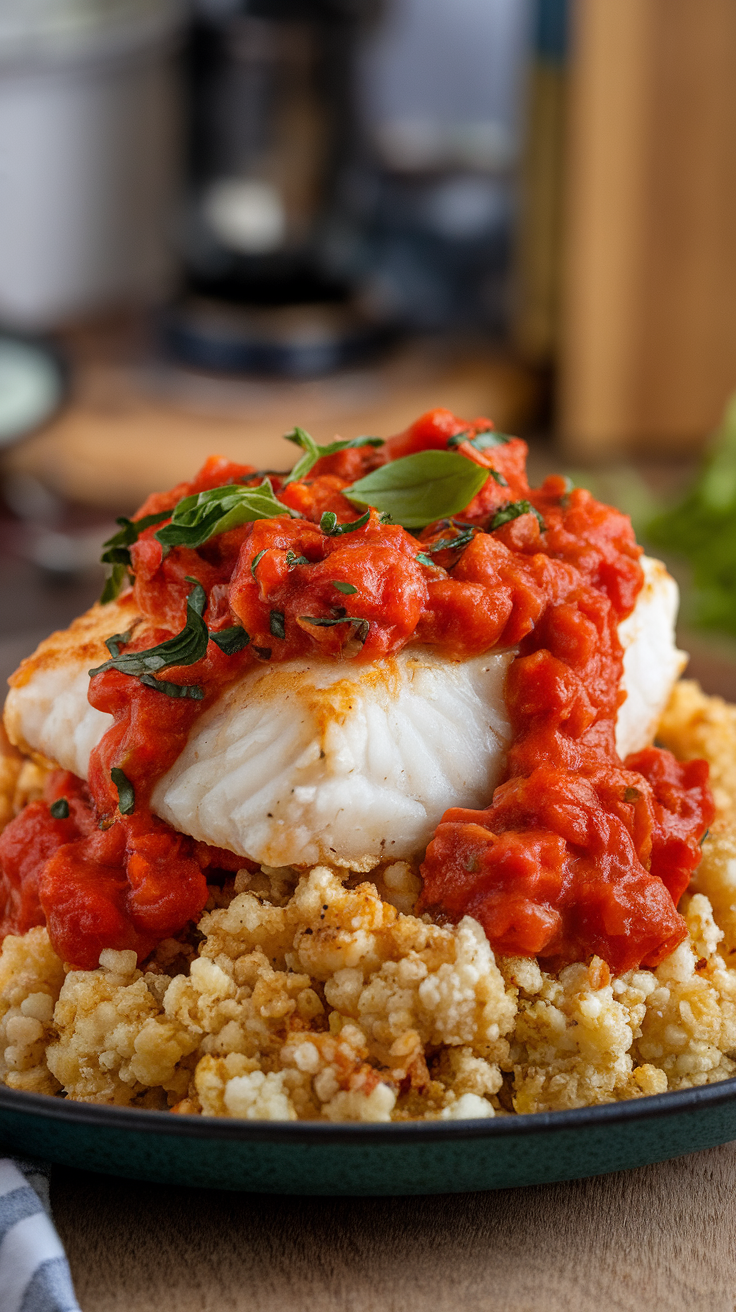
{"points": [[219, 218]]}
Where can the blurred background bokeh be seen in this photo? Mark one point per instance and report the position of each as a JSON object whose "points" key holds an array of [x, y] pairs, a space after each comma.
{"points": [[219, 218]]}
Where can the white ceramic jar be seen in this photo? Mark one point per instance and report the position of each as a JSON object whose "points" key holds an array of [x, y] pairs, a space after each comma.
{"points": [[89, 154]]}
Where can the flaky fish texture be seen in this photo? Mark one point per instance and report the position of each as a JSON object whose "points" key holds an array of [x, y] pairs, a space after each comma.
{"points": [[314, 761]]}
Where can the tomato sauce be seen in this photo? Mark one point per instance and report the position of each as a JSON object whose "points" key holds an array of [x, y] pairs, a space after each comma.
{"points": [[577, 851]]}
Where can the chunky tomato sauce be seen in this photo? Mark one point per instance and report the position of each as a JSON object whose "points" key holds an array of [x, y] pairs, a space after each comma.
{"points": [[577, 851]]}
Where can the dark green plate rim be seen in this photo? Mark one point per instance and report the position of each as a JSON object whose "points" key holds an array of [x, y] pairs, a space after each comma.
{"points": [[300, 1132]]}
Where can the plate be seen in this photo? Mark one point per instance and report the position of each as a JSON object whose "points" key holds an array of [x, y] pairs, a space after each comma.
{"points": [[416, 1157]]}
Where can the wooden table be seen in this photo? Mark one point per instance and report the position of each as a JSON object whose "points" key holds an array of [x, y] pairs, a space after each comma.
{"points": [[663, 1237]]}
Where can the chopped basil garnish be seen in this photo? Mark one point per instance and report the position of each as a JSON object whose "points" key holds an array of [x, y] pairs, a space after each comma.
{"points": [[190, 690], [116, 641], [444, 544], [420, 488], [292, 560], [196, 519], [256, 560], [346, 588], [116, 551], [313, 452], [360, 629], [498, 478], [186, 648], [705, 835], [231, 640], [481, 441], [329, 524], [512, 511], [60, 809], [126, 792], [277, 623]]}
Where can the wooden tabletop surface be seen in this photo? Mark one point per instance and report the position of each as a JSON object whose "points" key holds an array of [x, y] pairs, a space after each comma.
{"points": [[663, 1237]]}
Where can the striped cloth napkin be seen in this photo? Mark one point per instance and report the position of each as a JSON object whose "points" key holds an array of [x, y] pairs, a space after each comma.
{"points": [[34, 1272]]}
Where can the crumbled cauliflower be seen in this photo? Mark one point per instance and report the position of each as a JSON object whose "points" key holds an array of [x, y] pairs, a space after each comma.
{"points": [[318, 997], [31, 976]]}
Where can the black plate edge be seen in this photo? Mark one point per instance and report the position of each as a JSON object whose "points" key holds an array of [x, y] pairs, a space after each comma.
{"points": [[313, 1132]]}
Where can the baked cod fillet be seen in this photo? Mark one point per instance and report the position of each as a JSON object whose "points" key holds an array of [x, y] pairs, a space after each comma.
{"points": [[312, 761]]}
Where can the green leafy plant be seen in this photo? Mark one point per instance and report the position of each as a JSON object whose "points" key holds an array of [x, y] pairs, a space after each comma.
{"points": [[702, 529]]}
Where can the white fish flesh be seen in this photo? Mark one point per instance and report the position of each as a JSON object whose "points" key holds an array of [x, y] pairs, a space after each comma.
{"points": [[310, 761]]}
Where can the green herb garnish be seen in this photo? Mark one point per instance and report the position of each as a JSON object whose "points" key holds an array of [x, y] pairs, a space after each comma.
{"points": [[512, 511], [116, 551], [292, 560], [313, 452], [232, 640], [190, 690], [126, 791], [482, 441], [277, 623], [256, 560], [330, 526], [361, 625], [196, 519], [420, 488], [60, 809], [346, 588]]}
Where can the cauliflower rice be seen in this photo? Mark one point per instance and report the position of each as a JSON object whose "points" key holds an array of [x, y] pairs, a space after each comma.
{"points": [[312, 995]]}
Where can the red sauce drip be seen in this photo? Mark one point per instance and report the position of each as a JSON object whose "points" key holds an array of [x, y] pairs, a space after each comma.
{"points": [[576, 853]]}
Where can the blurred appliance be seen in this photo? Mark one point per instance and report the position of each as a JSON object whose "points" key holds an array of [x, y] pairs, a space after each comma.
{"points": [[88, 151], [441, 87], [271, 132]]}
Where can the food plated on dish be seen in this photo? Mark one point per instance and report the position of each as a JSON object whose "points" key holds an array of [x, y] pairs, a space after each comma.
{"points": [[344, 804]]}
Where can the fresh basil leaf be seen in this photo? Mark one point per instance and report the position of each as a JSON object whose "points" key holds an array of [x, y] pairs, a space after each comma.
{"points": [[313, 452], [196, 519], [330, 526], [346, 588], [705, 835], [423, 559], [498, 477], [512, 511], [60, 809], [361, 625], [126, 791], [231, 640], [190, 690], [277, 623], [420, 488], [292, 560], [186, 648]]}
